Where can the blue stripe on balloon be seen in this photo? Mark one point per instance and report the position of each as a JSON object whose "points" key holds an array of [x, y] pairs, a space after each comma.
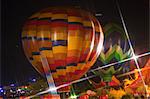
{"points": [[56, 20], [88, 27], [52, 71], [45, 48], [45, 18], [40, 39], [29, 37], [61, 67], [35, 53], [79, 23], [59, 42], [72, 64]]}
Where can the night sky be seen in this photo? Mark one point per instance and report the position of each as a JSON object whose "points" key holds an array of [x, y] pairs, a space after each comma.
{"points": [[15, 66]]}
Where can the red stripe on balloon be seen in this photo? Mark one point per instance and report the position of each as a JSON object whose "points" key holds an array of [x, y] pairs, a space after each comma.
{"points": [[33, 22], [75, 27], [72, 60], [60, 63], [52, 66], [93, 54], [59, 24], [83, 57], [43, 22], [39, 22]]}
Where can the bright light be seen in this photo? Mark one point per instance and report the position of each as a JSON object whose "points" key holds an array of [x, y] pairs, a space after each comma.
{"points": [[73, 97], [34, 80], [52, 89], [11, 91], [26, 87], [12, 85], [19, 89], [98, 14], [135, 57], [2, 91]]}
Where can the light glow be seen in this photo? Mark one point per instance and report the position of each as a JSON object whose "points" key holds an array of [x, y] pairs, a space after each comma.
{"points": [[73, 97]]}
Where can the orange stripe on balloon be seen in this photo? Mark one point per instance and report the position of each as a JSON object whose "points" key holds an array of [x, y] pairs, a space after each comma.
{"points": [[75, 27], [59, 24], [72, 60]]}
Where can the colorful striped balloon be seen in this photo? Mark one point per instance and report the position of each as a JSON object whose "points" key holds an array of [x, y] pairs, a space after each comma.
{"points": [[115, 49], [62, 41]]}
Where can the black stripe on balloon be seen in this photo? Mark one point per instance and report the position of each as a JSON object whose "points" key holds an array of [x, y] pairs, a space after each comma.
{"points": [[28, 38], [55, 20], [23, 38], [35, 18], [88, 27], [59, 42], [61, 67], [82, 62], [79, 23], [72, 64], [52, 71], [35, 53], [41, 39], [45, 48], [48, 18]]}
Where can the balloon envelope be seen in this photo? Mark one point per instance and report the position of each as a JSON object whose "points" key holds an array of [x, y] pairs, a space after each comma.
{"points": [[64, 40], [115, 49]]}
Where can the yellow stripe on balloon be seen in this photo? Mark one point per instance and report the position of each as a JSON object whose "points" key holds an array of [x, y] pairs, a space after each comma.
{"points": [[71, 68], [55, 75], [37, 66], [59, 35], [43, 34], [24, 34], [34, 15], [97, 29], [45, 15], [60, 56], [47, 53], [87, 23], [30, 27], [80, 66], [59, 16], [43, 27], [32, 33], [61, 71], [74, 19], [87, 44], [75, 32], [59, 29], [73, 53], [37, 57], [59, 49], [74, 43]]}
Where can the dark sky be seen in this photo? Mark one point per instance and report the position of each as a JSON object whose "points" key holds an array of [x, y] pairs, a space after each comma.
{"points": [[16, 68]]}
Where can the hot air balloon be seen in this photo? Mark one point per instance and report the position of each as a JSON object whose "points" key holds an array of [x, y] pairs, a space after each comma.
{"points": [[62, 42], [115, 49], [136, 85]]}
